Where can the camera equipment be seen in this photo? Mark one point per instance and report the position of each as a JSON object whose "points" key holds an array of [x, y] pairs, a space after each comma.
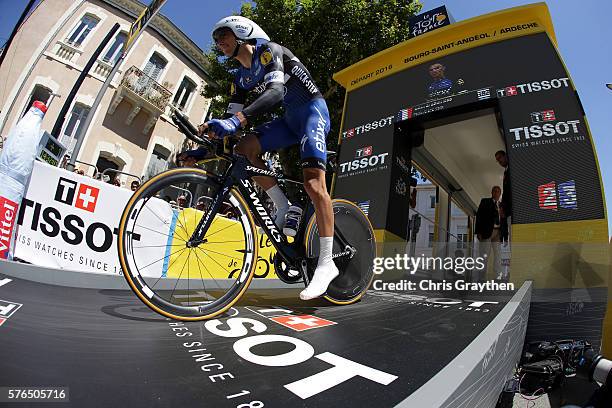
{"points": [[544, 366]]}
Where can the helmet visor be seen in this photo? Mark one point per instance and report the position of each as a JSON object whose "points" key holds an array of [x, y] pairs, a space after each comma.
{"points": [[221, 33]]}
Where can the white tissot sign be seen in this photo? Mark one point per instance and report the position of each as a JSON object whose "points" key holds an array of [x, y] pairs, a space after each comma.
{"points": [[68, 221]]}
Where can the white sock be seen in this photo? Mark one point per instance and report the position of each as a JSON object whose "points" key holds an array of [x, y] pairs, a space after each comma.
{"points": [[280, 202], [325, 273], [326, 246]]}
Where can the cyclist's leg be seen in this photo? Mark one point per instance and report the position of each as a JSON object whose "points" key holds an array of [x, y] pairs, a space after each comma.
{"points": [[269, 136], [313, 153]]}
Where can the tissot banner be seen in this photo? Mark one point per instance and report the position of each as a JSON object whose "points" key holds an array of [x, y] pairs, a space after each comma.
{"points": [[553, 170], [68, 221]]}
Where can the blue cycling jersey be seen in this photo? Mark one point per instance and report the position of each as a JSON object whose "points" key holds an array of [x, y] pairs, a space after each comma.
{"points": [[275, 71], [272, 66]]}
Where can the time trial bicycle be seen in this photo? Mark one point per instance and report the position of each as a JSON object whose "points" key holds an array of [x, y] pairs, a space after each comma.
{"points": [[187, 238]]}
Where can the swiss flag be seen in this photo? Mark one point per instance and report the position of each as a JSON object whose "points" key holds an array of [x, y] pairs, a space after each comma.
{"points": [[87, 198], [2, 321], [350, 133], [367, 151], [511, 91], [302, 322], [548, 115]]}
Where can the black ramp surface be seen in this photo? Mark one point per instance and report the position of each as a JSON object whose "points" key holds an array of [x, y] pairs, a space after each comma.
{"points": [[110, 350]]}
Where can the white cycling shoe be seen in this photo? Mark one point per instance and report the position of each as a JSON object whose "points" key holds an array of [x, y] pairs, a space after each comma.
{"points": [[323, 276]]}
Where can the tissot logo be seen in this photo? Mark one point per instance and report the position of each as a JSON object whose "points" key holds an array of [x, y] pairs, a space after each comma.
{"points": [[549, 129], [364, 152], [85, 197], [365, 161], [530, 87], [544, 116], [361, 129], [552, 196]]}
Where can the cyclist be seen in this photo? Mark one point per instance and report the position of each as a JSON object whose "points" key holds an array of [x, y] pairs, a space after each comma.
{"points": [[276, 75]]}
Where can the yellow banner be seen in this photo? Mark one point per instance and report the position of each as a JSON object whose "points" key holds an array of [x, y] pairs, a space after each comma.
{"points": [[486, 29]]}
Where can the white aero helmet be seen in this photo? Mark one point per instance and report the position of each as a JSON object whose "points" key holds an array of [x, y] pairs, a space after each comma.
{"points": [[243, 28]]}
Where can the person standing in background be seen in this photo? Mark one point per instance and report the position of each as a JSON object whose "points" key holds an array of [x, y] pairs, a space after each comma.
{"points": [[506, 201], [488, 231]]}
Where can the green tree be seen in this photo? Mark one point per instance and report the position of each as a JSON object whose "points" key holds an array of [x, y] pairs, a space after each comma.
{"points": [[327, 36]]}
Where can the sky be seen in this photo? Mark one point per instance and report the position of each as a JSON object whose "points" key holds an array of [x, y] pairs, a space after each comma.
{"points": [[581, 29]]}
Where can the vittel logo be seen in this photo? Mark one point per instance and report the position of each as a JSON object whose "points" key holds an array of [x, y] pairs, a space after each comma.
{"points": [[81, 196], [8, 211]]}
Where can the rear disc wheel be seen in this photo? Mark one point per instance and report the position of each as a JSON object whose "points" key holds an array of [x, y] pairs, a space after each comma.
{"points": [[355, 261]]}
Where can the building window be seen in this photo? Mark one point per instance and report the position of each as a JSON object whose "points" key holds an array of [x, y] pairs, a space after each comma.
{"points": [[431, 238], [40, 93], [82, 30], [155, 66], [462, 237], [114, 52], [184, 93], [432, 203], [74, 126], [158, 162], [108, 165]]}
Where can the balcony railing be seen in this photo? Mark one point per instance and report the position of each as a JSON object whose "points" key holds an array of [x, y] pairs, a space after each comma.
{"points": [[146, 87], [67, 52]]}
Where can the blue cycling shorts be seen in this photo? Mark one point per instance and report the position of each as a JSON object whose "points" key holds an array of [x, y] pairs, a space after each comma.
{"points": [[307, 125]]}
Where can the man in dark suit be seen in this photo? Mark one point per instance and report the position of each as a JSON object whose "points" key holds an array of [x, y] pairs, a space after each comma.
{"points": [[488, 231], [506, 201]]}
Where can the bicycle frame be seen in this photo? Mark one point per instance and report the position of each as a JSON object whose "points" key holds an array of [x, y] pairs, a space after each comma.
{"points": [[238, 175]]}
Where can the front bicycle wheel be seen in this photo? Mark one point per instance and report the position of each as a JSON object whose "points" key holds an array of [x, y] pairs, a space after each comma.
{"points": [[180, 281], [354, 260]]}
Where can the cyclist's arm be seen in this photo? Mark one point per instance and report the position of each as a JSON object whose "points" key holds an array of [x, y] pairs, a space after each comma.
{"points": [[272, 60]]}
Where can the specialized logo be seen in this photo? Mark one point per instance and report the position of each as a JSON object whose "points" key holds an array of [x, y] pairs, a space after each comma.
{"points": [[8, 212], [7, 309], [84, 197], [361, 129], [365, 161], [521, 89], [552, 196], [263, 172], [266, 57]]}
